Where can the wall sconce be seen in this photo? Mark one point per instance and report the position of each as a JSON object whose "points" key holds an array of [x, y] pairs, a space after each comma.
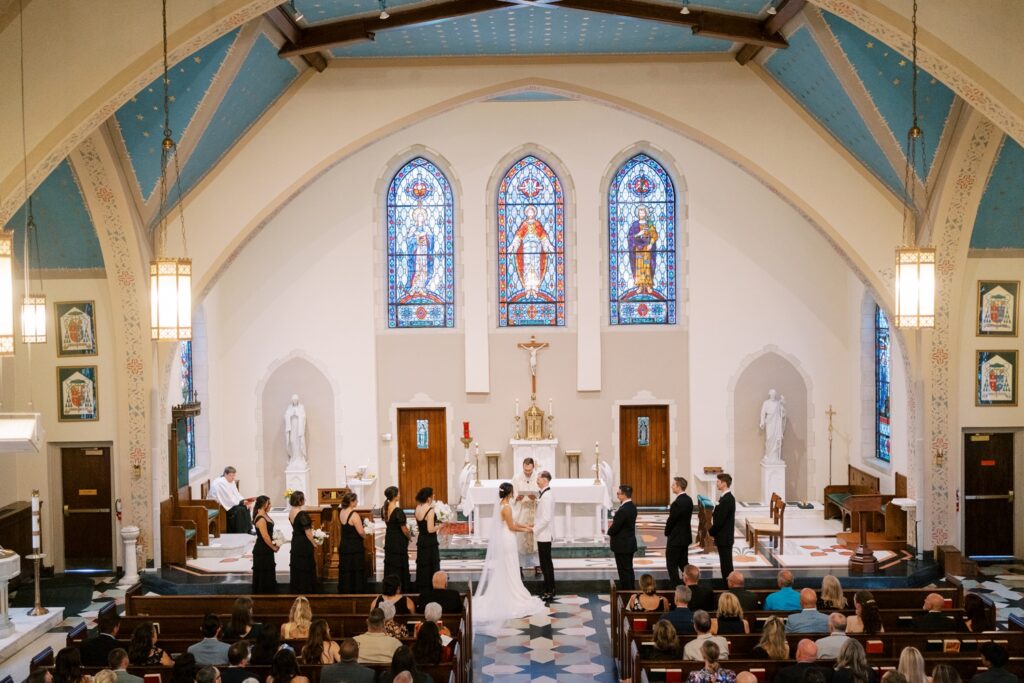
{"points": [[939, 458]]}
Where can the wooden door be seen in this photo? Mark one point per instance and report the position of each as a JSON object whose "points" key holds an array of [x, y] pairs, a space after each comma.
{"points": [[988, 495], [88, 527], [644, 452], [422, 452]]}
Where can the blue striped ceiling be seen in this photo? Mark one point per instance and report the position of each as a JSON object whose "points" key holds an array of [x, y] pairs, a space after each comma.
{"points": [[65, 233], [1000, 220], [262, 78], [886, 75], [533, 30], [141, 119], [804, 73]]}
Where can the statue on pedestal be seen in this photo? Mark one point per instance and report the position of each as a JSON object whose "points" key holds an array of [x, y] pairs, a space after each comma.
{"points": [[295, 433], [773, 422]]}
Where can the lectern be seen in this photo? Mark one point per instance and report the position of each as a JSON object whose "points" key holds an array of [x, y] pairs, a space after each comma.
{"points": [[863, 560]]}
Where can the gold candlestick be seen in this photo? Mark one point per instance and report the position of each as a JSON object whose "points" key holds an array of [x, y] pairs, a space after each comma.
{"points": [[38, 610], [518, 433], [597, 465], [476, 456]]}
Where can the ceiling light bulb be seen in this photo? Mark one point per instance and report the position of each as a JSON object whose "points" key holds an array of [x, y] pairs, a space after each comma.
{"points": [[299, 16], [685, 10], [771, 9], [384, 14]]}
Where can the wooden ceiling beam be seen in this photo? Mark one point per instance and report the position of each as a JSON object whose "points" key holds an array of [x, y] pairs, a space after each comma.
{"points": [[326, 36], [774, 24], [291, 32]]}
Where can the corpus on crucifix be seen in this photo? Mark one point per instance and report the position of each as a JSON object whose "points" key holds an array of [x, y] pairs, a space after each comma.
{"points": [[532, 348]]}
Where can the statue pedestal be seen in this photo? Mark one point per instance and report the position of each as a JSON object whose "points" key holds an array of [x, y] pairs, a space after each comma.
{"points": [[542, 451], [296, 477], [773, 479], [10, 566], [130, 536]]}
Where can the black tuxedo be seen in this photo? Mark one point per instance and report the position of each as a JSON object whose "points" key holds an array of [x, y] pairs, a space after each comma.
{"points": [[723, 529], [934, 622], [547, 565], [680, 536], [96, 650], [622, 535]]}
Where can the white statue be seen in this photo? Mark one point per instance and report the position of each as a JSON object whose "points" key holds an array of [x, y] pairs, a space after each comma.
{"points": [[295, 432], [773, 422]]}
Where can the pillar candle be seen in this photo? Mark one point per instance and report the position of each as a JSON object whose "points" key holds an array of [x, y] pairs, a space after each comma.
{"points": [[516, 413], [36, 534], [477, 447], [551, 407], [465, 429]]}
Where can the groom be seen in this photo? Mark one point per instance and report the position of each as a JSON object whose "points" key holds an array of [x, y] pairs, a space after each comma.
{"points": [[542, 523]]}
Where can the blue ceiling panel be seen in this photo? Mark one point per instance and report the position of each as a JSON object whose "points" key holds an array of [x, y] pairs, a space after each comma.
{"points": [[65, 233], [804, 73], [886, 74], [141, 119], [321, 11], [262, 79], [750, 8], [1000, 220], [533, 30]]}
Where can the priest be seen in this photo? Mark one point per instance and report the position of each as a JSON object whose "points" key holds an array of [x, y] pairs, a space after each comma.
{"points": [[225, 491], [524, 507]]}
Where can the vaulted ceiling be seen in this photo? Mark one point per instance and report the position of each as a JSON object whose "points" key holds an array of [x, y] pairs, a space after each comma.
{"points": [[853, 85]]}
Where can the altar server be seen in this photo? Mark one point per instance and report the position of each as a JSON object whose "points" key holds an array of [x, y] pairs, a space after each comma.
{"points": [[543, 522], [225, 491]]}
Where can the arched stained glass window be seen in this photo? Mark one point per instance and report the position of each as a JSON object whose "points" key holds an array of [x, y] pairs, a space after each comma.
{"points": [[531, 246], [642, 244], [421, 247], [188, 395], [883, 368]]}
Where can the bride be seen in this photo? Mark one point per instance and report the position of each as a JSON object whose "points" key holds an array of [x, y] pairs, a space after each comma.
{"points": [[501, 595]]}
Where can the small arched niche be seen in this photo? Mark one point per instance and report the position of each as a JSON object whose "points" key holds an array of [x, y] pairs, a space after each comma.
{"points": [[297, 376], [769, 371]]}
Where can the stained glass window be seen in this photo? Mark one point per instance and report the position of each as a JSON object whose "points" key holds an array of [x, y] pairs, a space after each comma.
{"points": [[188, 396], [642, 244], [531, 246], [421, 247], [883, 367]]}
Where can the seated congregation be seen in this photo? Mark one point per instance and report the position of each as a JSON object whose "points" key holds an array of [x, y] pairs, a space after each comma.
{"points": [[912, 635]]}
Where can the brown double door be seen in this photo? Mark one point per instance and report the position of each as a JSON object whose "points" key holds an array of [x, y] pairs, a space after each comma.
{"points": [[988, 495], [88, 525], [644, 452], [422, 453]]}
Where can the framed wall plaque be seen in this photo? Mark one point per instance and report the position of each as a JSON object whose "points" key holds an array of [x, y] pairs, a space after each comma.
{"points": [[76, 328], [77, 394], [996, 378], [997, 308]]}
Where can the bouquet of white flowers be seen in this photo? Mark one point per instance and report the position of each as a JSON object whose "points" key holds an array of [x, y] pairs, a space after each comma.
{"points": [[278, 538], [367, 525], [319, 536], [443, 512]]}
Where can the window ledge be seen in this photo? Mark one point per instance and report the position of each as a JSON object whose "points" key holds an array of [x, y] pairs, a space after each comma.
{"points": [[197, 474], [876, 464]]}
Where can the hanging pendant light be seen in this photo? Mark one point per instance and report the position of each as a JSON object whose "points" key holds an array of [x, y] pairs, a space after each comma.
{"points": [[6, 293], [33, 306], [170, 279], [915, 266]]}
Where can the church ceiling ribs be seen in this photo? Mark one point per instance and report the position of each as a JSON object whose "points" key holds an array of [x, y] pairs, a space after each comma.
{"points": [[788, 10], [290, 31]]}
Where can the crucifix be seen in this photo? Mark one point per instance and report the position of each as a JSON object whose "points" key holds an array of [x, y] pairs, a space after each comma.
{"points": [[830, 413], [533, 347]]}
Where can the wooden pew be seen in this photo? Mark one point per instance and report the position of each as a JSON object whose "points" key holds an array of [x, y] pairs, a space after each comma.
{"points": [[205, 513], [177, 536]]}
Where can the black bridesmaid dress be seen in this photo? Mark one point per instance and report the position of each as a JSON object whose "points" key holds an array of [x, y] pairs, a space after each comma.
{"points": [[351, 569], [302, 566], [396, 549], [428, 554], [264, 569]]}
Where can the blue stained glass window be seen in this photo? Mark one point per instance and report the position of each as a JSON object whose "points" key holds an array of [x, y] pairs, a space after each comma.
{"points": [[421, 247], [531, 246], [188, 396], [883, 367], [642, 244]]}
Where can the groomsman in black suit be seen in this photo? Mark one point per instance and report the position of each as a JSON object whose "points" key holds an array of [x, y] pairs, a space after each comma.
{"points": [[678, 531], [723, 523], [623, 537]]}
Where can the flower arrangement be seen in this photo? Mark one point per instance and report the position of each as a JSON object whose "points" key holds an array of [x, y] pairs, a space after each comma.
{"points": [[278, 538], [287, 496], [443, 512], [319, 536], [367, 525]]}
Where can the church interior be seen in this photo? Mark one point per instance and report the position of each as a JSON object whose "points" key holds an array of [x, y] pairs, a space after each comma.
{"points": [[618, 241]]}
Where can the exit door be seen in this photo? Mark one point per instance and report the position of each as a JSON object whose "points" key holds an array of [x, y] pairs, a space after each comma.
{"points": [[88, 526], [988, 495]]}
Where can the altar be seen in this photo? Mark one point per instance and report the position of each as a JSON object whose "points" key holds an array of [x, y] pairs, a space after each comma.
{"points": [[581, 508]]}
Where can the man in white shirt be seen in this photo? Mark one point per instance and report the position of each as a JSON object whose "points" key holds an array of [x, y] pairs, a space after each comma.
{"points": [[830, 645], [702, 625], [225, 491], [542, 528]]}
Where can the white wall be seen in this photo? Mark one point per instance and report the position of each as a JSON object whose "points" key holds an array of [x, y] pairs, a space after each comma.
{"points": [[756, 274]]}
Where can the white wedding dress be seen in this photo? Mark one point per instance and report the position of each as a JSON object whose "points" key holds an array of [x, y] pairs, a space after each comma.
{"points": [[501, 595]]}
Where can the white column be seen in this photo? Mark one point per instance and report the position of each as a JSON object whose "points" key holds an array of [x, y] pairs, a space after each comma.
{"points": [[10, 566], [130, 534]]}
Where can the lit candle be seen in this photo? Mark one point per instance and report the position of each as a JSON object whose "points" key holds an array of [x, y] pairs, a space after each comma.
{"points": [[516, 413], [477, 447], [551, 407], [465, 429], [36, 533], [596, 448]]}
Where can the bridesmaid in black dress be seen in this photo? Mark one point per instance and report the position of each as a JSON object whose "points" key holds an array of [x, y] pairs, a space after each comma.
{"points": [[302, 567], [428, 555], [264, 570], [351, 568], [396, 539]]}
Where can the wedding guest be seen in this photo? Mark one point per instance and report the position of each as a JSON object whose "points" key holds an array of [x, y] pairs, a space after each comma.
{"points": [[319, 648], [118, 662], [976, 617], [735, 583], [702, 626], [944, 673], [105, 676], [832, 597], [301, 566], [95, 650], [773, 644], [210, 651], [647, 600], [208, 674], [678, 530], [622, 533], [42, 676], [806, 666], [701, 597], [351, 554], [723, 523], [428, 554], [666, 642], [265, 647], [432, 612], [224, 490], [428, 648], [285, 668], [730, 616], [392, 592], [67, 667], [866, 617], [785, 599], [403, 662], [439, 592], [348, 670], [396, 538], [238, 660], [184, 671], [829, 646], [852, 665], [392, 627], [933, 620], [893, 676], [142, 650], [712, 671], [911, 665], [375, 646], [994, 656], [264, 568], [808, 619], [300, 617], [241, 624], [680, 615]]}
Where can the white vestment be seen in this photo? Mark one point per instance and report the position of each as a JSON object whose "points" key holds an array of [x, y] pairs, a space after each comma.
{"points": [[225, 493], [523, 513]]}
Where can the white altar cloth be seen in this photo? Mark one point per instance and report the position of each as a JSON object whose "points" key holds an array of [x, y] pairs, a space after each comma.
{"points": [[580, 508]]}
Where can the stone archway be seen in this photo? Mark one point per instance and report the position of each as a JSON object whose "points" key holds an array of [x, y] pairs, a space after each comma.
{"points": [[769, 370]]}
